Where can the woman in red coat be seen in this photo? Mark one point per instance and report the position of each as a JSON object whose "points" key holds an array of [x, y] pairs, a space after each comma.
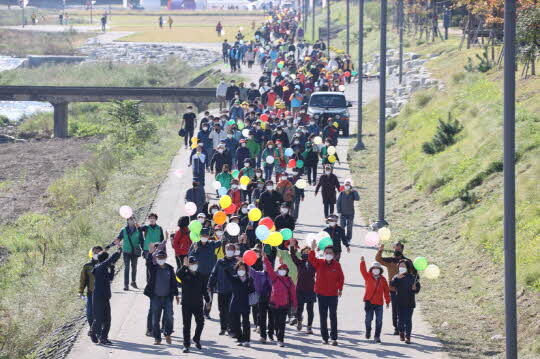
{"points": [[375, 295], [181, 241]]}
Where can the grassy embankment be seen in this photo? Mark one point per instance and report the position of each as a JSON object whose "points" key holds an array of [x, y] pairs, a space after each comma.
{"points": [[448, 206], [38, 282], [22, 43]]}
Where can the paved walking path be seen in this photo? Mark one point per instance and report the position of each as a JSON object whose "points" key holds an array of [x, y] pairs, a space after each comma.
{"points": [[129, 309]]}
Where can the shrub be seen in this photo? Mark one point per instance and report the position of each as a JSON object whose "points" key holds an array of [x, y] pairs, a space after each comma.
{"points": [[444, 136], [483, 66], [422, 99], [4, 121], [390, 125]]}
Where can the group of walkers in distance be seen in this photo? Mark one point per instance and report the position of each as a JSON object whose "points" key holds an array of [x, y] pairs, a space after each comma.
{"points": [[240, 247]]}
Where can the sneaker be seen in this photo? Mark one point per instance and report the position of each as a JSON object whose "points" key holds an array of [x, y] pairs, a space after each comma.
{"points": [[157, 342], [407, 340], [239, 344], [271, 337], [377, 340], [94, 338], [168, 339], [257, 329], [222, 332], [294, 321], [280, 344], [368, 333], [105, 342], [148, 333], [186, 350], [396, 332], [325, 342], [309, 330], [402, 336], [246, 344], [126, 287], [299, 325], [134, 285], [262, 340], [334, 343], [197, 344], [89, 333]]}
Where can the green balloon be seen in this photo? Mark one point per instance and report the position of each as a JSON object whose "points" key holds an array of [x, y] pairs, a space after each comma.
{"points": [[195, 226], [194, 237], [280, 65], [241, 125], [231, 122], [325, 242], [235, 174], [286, 233], [354, 73], [299, 164], [420, 263]]}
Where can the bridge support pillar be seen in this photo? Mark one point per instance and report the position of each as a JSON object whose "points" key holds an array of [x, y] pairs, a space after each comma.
{"points": [[202, 105], [60, 119]]}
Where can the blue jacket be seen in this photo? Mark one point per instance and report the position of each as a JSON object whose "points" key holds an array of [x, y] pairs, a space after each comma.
{"points": [[219, 280], [205, 254], [237, 113], [103, 276], [313, 129], [241, 154], [231, 144], [204, 137]]}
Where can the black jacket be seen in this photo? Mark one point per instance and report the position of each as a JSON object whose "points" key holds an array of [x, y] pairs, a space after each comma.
{"points": [[219, 159], [338, 236], [405, 295], [219, 281], [103, 275], [149, 289], [231, 91], [240, 292], [193, 287], [269, 203], [284, 221]]}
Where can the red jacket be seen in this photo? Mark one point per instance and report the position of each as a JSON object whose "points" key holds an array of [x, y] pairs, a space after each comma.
{"points": [[181, 242], [375, 288], [235, 197], [329, 276]]}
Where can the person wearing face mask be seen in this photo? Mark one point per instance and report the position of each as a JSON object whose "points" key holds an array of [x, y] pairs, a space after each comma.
{"points": [[282, 297], [338, 236], [204, 252], [270, 201], [296, 99], [242, 153], [220, 157], [132, 243], [268, 152], [217, 136], [193, 292], [329, 185], [281, 136], [345, 208], [235, 194], [305, 293], [196, 195], [330, 132], [243, 214], [299, 194], [329, 282], [252, 92], [221, 282], [313, 128], [239, 308], [324, 154], [284, 219], [181, 242], [310, 157], [199, 160], [392, 265], [153, 233], [86, 281], [406, 285], [204, 136], [237, 112], [231, 145], [257, 191], [161, 288], [253, 146], [249, 172], [103, 273], [285, 188], [189, 123], [231, 91], [263, 288], [221, 93], [225, 177], [376, 293]]}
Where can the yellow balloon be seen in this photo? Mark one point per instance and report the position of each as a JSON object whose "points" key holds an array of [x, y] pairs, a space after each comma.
{"points": [[225, 201], [254, 214], [178, 279], [193, 146], [194, 139], [331, 158], [263, 125], [384, 233], [244, 180], [335, 124], [273, 228], [90, 254], [274, 239]]}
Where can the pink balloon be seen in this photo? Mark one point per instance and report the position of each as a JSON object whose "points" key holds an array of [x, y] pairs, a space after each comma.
{"points": [[191, 208], [179, 172], [372, 239]]}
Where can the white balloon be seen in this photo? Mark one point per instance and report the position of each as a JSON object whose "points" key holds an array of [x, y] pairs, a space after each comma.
{"points": [[245, 132], [432, 272], [233, 229], [331, 150], [317, 140], [384, 233], [301, 183], [125, 211], [270, 160], [216, 185]]}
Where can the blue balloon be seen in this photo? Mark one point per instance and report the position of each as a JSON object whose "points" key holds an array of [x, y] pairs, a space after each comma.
{"points": [[262, 232], [222, 191], [289, 152]]}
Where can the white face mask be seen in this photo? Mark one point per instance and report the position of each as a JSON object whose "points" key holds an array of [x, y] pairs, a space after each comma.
{"points": [[95, 256], [193, 267], [402, 270], [282, 272], [332, 224], [328, 256], [161, 261], [241, 273], [214, 210], [284, 210], [205, 128], [246, 165], [270, 147], [243, 145], [270, 188], [234, 186], [237, 253], [204, 239], [220, 150], [327, 172], [229, 253], [200, 220], [376, 271], [347, 187], [244, 210], [219, 233], [229, 135]]}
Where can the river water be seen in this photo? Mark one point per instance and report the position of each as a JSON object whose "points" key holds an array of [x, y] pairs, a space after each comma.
{"points": [[15, 110]]}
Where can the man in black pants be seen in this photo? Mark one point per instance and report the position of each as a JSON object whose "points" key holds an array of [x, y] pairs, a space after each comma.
{"points": [[221, 282], [193, 291], [103, 275], [189, 122]]}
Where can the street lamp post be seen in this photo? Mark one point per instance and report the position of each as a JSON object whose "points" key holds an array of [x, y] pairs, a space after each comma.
{"points": [[313, 20], [382, 114], [360, 70], [348, 24], [328, 27], [509, 178], [91, 6], [400, 24]]}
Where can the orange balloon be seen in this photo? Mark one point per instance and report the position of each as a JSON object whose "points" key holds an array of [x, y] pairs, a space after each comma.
{"points": [[219, 217]]}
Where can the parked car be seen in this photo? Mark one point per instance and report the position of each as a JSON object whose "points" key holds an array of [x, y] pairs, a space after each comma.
{"points": [[330, 104]]}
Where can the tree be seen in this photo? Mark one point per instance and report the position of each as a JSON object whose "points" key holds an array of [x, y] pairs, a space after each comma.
{"points": [[528, 36]]}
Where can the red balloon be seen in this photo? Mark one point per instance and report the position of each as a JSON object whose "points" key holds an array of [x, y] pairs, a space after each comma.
{"points": [[347, 74], [267, 222], [341, 189], [291, 164], [249, 257], [231, 209], [264, 117], [274, 73]]}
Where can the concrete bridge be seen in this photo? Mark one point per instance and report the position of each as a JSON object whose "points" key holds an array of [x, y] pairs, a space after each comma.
{"points": [[61, 96]]}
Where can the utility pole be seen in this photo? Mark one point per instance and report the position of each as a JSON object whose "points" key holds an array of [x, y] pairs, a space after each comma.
{"points": [[359, 144], [348, 25], [91, 5], [313, 20], [382, 114], [400, 25], [328, 27], [510, 178]]}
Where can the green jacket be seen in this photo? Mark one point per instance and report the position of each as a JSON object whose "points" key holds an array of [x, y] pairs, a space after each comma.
{"points": [[152, 235], [225, 179], [87, 278], [324, 155], [248, 171], [254, 148], [274, 153], [136, 238]]}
